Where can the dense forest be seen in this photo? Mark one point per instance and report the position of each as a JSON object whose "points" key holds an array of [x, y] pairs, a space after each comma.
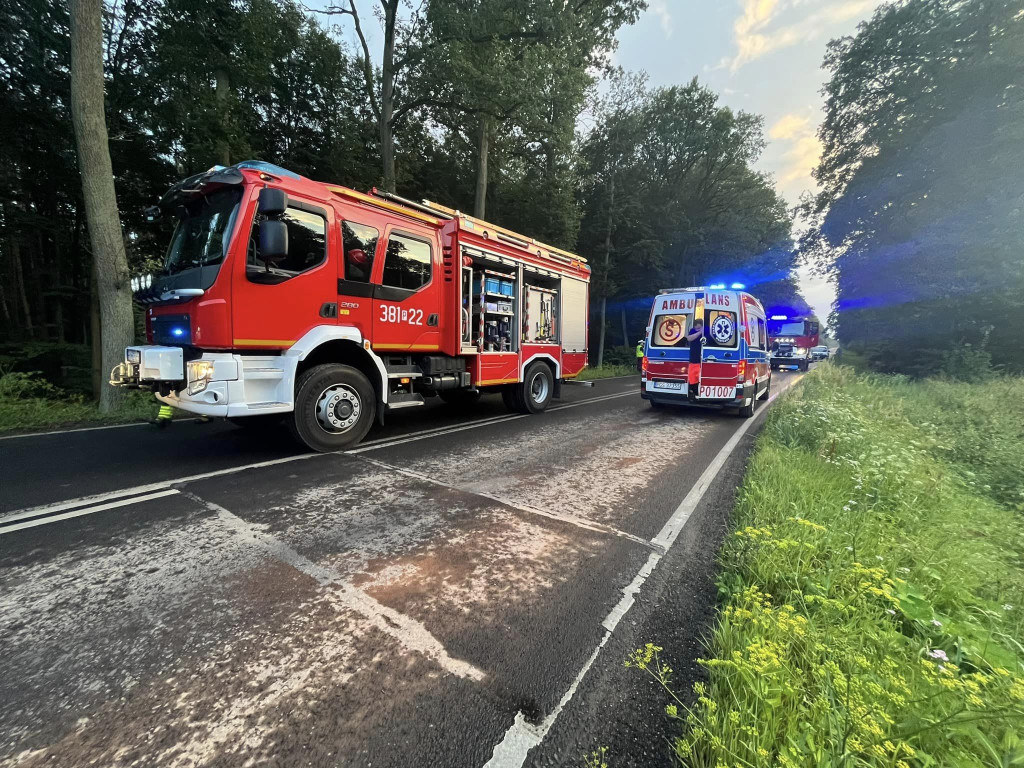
{"points": [[507, 108], [920, 218]]}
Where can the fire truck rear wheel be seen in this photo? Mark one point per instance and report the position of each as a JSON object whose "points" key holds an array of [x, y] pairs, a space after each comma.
{"points": [[334, 407], [534, 394]]}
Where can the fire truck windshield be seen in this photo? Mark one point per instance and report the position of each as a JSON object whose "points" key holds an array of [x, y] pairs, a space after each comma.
{"points": [[202, 235], [793, 328]]}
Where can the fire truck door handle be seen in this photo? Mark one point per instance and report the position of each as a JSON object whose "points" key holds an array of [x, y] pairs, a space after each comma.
{"points": [[329, 309], [432, 320]]}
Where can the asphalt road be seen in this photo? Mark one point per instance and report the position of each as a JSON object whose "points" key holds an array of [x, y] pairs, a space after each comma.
{"points": [[460, 590]]}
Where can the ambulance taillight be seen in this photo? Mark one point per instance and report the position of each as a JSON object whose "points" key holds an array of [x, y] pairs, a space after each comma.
{"points": [[741, 370]]}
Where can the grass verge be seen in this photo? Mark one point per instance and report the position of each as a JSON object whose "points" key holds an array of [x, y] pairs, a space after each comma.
{"points": [[28, 402], [607, 372], [873, 591]]}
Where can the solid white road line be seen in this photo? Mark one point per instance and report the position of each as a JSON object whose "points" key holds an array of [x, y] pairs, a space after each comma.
{"points": [[84, 511], [85, 429], [407, 631], [133, 492], [427, 434], [522, 736]]}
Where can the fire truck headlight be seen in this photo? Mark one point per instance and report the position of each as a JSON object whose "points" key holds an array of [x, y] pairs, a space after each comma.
{"points": [[799, 351], [199, 374]]}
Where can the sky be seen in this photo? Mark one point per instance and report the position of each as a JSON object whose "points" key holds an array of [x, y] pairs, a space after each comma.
{"points": [[762, 56]]}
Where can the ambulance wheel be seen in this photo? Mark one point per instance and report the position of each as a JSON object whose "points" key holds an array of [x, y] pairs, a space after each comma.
{"points": [[334, 407], [534, 394], [460, 397], [746, 411]]}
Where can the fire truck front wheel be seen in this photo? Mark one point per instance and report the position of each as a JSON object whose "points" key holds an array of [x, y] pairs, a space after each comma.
{"points": [[334, 407]]}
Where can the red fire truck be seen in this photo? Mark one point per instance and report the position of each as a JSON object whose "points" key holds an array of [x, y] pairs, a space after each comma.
{"points": [[792, 338], [283, 297]]}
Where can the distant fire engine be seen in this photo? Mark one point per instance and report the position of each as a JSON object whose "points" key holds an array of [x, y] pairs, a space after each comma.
{"points": [[792, 338], [285, 296]]}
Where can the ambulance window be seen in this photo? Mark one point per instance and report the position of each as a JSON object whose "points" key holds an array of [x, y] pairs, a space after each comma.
{"points": [[754, 331], [307, 248], [359, 242], [407, 263], [721, 328], [762, 334], [670, 331]]}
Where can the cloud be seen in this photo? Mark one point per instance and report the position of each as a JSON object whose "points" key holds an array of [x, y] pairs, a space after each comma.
{"points": [[800, 157], [660, 9], [764, 26]]}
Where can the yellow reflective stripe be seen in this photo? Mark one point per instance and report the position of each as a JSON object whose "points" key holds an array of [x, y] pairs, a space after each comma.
{"points": [[497, 381], [414, 347], [263, 342]]}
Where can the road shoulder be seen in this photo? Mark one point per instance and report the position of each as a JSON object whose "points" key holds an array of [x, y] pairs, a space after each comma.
{"points": [[623, 709]]}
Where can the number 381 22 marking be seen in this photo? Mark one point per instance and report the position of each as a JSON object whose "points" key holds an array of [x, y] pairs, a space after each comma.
{"points": [[393, 314]]}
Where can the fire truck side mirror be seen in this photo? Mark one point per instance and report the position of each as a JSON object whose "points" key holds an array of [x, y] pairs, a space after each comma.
{"points": [[273, 241], [273, 202]]}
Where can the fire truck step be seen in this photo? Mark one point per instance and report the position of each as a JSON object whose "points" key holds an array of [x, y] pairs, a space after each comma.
{"points": [[404, 400]]}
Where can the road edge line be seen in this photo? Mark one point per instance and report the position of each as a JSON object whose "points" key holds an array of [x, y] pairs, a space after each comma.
{"points": [[521, 736]]}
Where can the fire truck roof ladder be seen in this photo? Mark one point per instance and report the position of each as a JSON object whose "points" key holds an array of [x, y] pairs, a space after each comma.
{"points": [[505, 235]]}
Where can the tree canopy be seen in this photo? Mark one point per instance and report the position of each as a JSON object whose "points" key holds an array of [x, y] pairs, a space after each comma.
{"points": [[920, 214], [656, 190]]}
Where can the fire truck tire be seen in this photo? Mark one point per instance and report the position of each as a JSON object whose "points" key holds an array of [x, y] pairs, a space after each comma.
{"points": [[334, 407], [534, 394], [460, 397], [804, 366]]}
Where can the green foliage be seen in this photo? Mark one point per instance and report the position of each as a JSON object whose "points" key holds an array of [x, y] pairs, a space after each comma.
{"points": [[919, 217], [607, 371], [873, 586], [671, 198], [29, 401]]}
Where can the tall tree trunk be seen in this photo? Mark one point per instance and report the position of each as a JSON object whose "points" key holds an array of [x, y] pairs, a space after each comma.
{"points": [[480, 202], [95, 335], [387, 97], [607, 265], [118, 327], [625, 336], [19, 276], [223, 91]]}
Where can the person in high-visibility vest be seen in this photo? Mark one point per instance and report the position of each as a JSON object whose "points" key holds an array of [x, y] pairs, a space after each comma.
{"points": [[163, 417], [640, 355]]}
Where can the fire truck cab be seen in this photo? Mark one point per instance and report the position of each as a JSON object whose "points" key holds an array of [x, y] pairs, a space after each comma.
{"points": [[283, 297], [792, 337], [733, 369]]}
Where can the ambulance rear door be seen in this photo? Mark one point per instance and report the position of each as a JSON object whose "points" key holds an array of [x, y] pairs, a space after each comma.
{"points": [[722, 350]]}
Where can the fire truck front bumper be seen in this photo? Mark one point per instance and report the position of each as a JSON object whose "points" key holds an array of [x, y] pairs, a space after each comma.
{"points": [[212, 384]]}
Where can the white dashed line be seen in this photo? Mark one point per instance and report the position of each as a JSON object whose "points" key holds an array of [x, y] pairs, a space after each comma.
{"points": [[407, 631]]}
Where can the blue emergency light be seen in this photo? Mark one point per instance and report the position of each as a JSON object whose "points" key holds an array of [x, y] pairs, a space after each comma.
{"points": [[738, 286], [779, 317], [717, 287], [178, 331]]}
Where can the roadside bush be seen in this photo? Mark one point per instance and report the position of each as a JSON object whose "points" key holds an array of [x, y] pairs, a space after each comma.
{"points": [[873, 590], [30, 401]]}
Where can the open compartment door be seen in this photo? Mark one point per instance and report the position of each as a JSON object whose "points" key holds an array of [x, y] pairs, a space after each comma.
{"points": [[574, 315]]}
